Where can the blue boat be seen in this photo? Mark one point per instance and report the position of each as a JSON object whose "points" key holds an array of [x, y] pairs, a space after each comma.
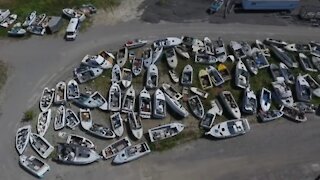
{"points": [[216, 6]]}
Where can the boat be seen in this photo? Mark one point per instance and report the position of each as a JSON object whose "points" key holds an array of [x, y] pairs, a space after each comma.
{"points": [[165, 131], [293, 113], [167, 42], [182, 51], [30, 19], [276, 42], [314, 85], [259, 58], [216, 6], [152, 79], [60, 93], [159, 104], [266, 116], [173, 93], [101, 131], [114, 97], [122, 56], [126, 77], [208, 119], [249, 102], [263, 48], [41, 145], [303, 89], [129, 100], [39, 19], [306, 63], [145, 104], [8, 21], [251, 65], [265, 99], [215, 76], [156, 55], [135, 43], [205, 79], [203, 58], [242, 76], [34, 165], [314, 48], [224, 71], [287, 74], [298, 48], [171, 58], [108, 59], [185, 93], [197, 45], [147, 57], [94, 100], [22, 138], [284, 57], [80, 141], [131, 153], [85, 118], [76, 154], [73, 91], [60, 118], [43, 124], [187, 75], [116, 74], [316, 62], [98, 61], [86, 73], [71, 13], [246, 48], [216, 107], [229, 128], [208, 46], [220, 50], [276, 72], [117, 124], [72, 119], [305, 107], [173, 76], [199, 92], [46, 99], [135, 125], [4, 13], [17, 31], [116, 147], [36, 30], [176, 106], [137, 65], [196, 106], [230, 104], [237, 50], [283, 92]]}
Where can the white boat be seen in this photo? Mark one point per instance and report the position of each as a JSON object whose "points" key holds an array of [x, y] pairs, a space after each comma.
{"points": [[4, 13], [22, 138], [101, 131], [71, 13], [44, 119], [167, 42], [94, 100], [293, 113], [208, 119], [34, 165], [242, 76], [80, 140], [165, 131], [96, 61], [114, 97], [199, 92], [276, 42], [314, 85], [197, 45], [229, 128], [215, 76], [208, 46], [187, 75], [246, 48], [86, 73], [41, 145], [159, 104], [230, 104], [157, 54], [185, 93], [237, 50], [147, 57], [264, 49], [135, 125], [100, 100], [298, 48], [85, 118], [182, 52], [145, 104], [126, 77], [315, 48], [152, 78], [303, 89], [30, 19], [305, 107], [224, 71], [287, 74], [116, 147], [73, 91], [108, 59], [260, 58], [117, 124], [251, 65], [132, 153], [205, 79], [17, 31], [306, 63], [60, 118], [283, 92], [196, 106], [72, 119], [176, 106], [60, 93], [220, 50], [129, 100], [135, 43], [316, 62], [284, 57], [216, 106], [116, 74], [137, 65], [204, 58], [46, 99], [173, 93], [9, 20], [275, 72], [173, 75], [265, 99], [171, 57], [249, 102], [270, 115], [122, 56]]}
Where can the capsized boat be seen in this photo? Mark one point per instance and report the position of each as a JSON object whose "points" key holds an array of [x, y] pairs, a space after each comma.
{"points": [[283, 92], [30, 19], [60, 118], [242, 76], [199, 92], [196, 106], [72, 119], [117, 124], [265, 99], [251, 65], [85, 118], [171, 91], [147, 57], [270, 115], [114, 97], [73, 91], [22, 138], [215, 76], [157, 53], [129, 100], [145, 104], [101, 131], [114, 148], [34, 165], [60, 93], [152, 78], [187, 75], [208, 119], [86, 73], [230, 104], [287, 74], [303, 90], [176, 106], [132, 153], [293, 113], [237, 50], [276, 73], [122, 56], [159, 104], [80, 140], [46, 99], [44, 119], [276, 42], [224, 71], [230, 128], [135, 125], [135, 43], [249, 102], [165, 131], [263, 48], [167, 42], [171, 58], [41, 145], [306, 63], [173, 75], [116, 74], [126, 77], [316, 62], [97, 61], [260, 58], [182, 51], [284, 57], [205, 79], [137, 64]]}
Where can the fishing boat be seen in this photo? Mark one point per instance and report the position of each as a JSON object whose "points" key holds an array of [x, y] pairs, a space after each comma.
{"points": [[215, 76], [86, 73], [275, 72], [196, 106], [237, 50], [122, 56], [208, 46], [34, 165], [116, 74], [176, 106], [165, 131], [216, 6], [60, 93], [187, 75], [265, 99], [131, 153], [171, 91], [205, 79], [208, 119], [287, 74], [316, 62], [137, 65], [305, 48], [159, 104], [251, 65], [145, 104], [249, 102], [242, 76], [126, 77], [114, 97], [283, 92], [270, 115], [41, 145], [85, 118], [204, 58], [46, 99], [135, 125], [199, 92], [230, 104], [72, 119], [108, 59], [129, 100], [101, 131], [60, 118], [230, 128], [116, 147], [22, 138], [152, 78], [303, 89], [173, 75], [167, 42], [216, 107], [284, 57], [259, 58], [171, 58], [71, 13], [293, 113], [96, 61], [276, 42], [306, 63], [182, 51], [44, 119], [30, 19], [147, 57], [117, 124], [73, 91], [156, 55], [263, 48], [80, 141], [94, 100], [135, 43], [224, 71]]}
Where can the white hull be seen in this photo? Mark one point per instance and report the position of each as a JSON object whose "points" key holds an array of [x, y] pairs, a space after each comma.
{"points": [[60, 118], [152, 77], [145, 104], [114, 148], [41, 145], [34, 165], [73, 91], [132, 153], [46, 99], [265, 99], [22, 138], [129, 100], [230, 128], [61, 93], [165, 131], [117, 124], [114, 97], [44, 119], [85, 119]]}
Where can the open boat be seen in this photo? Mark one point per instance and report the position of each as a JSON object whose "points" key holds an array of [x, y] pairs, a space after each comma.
{"points": [[43, 124], [197, 45], [122, 56], [114, 97], [157, 53], [208, 46], [135, 43], [9, 20], [242, 76], [246, 48], [316, 62], [152, 79], [215, 76], [94, 100], [259, 58], [182, 51], [314, 85], [263, 48], [101, 131], [46, 99], [86, 73], [71, 13], [216, 107], [135, 125], [100, 100], [249, 102], [30, 19], [196, 106], [61, 93], [315, 48], [265, 99], [251, 65], [303, 90], [199, 92], [284, 57], [298, 48], [237, 50], [147, 57], [203, 58], [275, 72], [306, 63], [22, 138], [171, 58], [230, 128], [293, 113], [80, 140], [305, 107], [270, 115], [165, 131], [129, 100], [176, 106], [283, 92], [114, 148], [159, 104], [41, 145], [277, 42], [171, 91], [97, 61], [145, 104], [116, 74], [137, 64], [72, 119], [230, 104], [60, 118], [34, 165], [287, 74], [126, 77], [220, 50], [167, 42], [224, 71], [208, 119], [205, 79], [173, 75], [108, 59], [73, 91], [185, 93], [85, 118], [187, 75], [132, 153], [117, 124], [17, 31]]}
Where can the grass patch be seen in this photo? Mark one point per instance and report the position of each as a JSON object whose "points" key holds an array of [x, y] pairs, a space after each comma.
{"points": [[29, 115]]}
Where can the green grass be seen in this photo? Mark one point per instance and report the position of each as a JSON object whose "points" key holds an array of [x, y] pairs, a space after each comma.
{"points": [[29, 115]]}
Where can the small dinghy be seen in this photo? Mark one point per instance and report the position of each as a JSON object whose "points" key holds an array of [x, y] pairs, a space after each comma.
{"points": [[41, 145], [73, 91], [316, 62], [46, 99], [265, 99], [224, 71], [205, 79], [97, 61], [171, 58], [86, 73], [135, 125], [270, 115], [230, 104], [215, 76], [22, 138], [17, 31], [169, 90], [136, 43], [72, 119], [60, 118], [116, 74], [208, 46], [284, 57], [101, 131], [145, 104], [298, 48], [167, 42], [34, 165], [287, 74], [76, 154], [182, 51], [293, 113], [263, 48], [36, 30], [275, 72], [203, 58], [259, 58], [159, 104], [147, 57], [176, 106], [126, 77], [216, 107], [43, 124], [157, 53], [122, 56], [237, 50], [114, 148], [242, 76], [95, 100], [108, 57], [197, 45], [314, 85], [80, 141], [220, 50], [99, 100], [129, 100], [165, 131], [71, 13], [303, 90], [187, 75], [117, 124], [199, 92], [30, 19], [306, 63], [251, 65], [132, 153], [277, 42], [85, 119], [173, 75], [137, 65], [196, 106], [230, 128], [283, 92], [249, 102], [208, 119], [61, 93], [9, 20], [115, 97], [152, 77]]}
